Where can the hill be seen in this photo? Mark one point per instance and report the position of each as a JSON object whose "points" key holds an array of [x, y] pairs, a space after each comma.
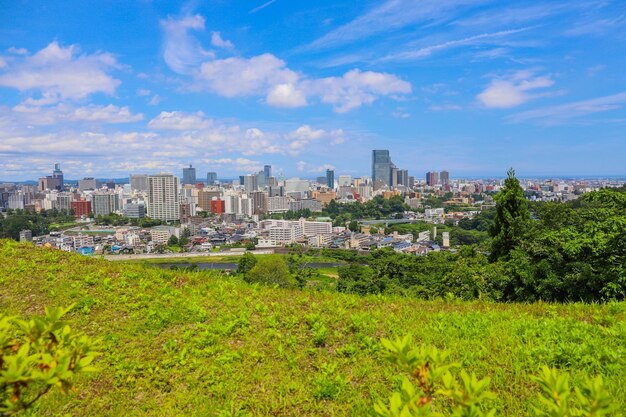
{"points": [[196, 343]]}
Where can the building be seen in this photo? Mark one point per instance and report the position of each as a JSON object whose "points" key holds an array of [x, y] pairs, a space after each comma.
{"points": [[287, 234], [135, 211], [63, 202], [277, 204], [104, 203], [403, 177], [444, 177], [250, 183], [88, 184], [432, 178], [330, 178], [160, 235], [259, 201], [139, 182], [211, 178], [189, 175], [205, 197], [306, 204], [267, 172], [345, 180], [163, 200], [26, 236], [296, 185], [81, 208], [218, 206], [381, 166], [57, 174]]}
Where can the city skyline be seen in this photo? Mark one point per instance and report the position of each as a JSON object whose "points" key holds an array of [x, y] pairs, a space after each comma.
{"points": [[473, 87]]}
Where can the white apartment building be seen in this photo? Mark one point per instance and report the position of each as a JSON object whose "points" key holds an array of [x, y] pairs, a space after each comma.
{"points": [[163, 201], [289, 234]]}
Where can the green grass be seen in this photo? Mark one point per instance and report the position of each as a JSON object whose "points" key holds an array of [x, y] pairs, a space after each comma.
{"points": [[197, 344], [226, 259]]}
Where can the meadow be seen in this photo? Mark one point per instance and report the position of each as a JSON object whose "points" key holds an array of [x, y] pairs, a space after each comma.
{"points": [[199, 343]]}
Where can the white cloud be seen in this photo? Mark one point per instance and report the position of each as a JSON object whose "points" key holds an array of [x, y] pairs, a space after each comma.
{"points": [[513, 90], [286, 95], [571, 111], [267, 75], [232, 77], [142, 92], [305, 134], [181, 51], [445, 107], [154, 100], [177, 120], [58, 72], [238, 164], [17, 51], [218, 42], [355, 88], [45, 115], [262, 6]]}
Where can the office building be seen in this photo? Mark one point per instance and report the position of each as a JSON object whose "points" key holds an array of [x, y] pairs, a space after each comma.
{"points": [[218, 206], [344, 180], [81, 208], [381, 167], [267, 171], [330, 178], [104, 203], [205, 197], [88, 184], [211, 178], [139, 182], [189, 175], [432, 178], [444, 177], [135, 211], [250, 183], [163, 201]]}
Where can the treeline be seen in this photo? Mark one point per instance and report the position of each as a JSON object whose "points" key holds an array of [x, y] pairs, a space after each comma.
{"points": [[573, 251], [39, 223]]}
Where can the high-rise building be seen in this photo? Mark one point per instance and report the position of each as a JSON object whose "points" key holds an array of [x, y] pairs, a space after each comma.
{"points": [[139, 182], [163, 202], [431, 178], [104, 203], [81, 208], [444, 177], [403, 177], [135, 211], [330, 178], [250, 183], [58, 175], [381, 166], [211, 178], [189, 175], [267, 170], [394, 176], [88, 184]]}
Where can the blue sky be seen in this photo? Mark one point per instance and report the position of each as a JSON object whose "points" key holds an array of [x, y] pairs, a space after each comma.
{"points": [[471, 86]]}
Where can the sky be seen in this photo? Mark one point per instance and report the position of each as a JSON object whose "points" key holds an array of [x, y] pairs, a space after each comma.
{"points": [[113, 88]]}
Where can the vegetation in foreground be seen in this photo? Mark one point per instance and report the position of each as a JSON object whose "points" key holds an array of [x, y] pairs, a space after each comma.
{"points": [[194, 343]]}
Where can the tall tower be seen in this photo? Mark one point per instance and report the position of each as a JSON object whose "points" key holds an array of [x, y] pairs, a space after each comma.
{"points": [[57, 175], [189, 175], [211, 178], [163, 202], [381, 166], [330, 178], [267, 170]]}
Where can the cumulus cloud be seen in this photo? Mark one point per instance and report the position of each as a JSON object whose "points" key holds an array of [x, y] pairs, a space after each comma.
{"points": [[267, 75], [513, 90], [286, 95], [57, 72], [219, 42], [177, 120], [304, 135]]}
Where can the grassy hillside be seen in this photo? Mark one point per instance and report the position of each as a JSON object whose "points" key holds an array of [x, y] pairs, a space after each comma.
{"points": [[192, 343]]}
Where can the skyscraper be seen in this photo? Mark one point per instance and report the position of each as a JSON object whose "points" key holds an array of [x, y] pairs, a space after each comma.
{"points": [[163, 203], [381, 166], [330, 178], [211, 178], [431, 178], [444, 177], [58, 175], [189, 175], [139, 182], [267, 170]]}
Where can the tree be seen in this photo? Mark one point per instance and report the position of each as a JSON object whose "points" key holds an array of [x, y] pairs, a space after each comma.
{"points": [[172, 241], [353, 226], [40, 355], [246, 263], [271, 271], [512, 218]]}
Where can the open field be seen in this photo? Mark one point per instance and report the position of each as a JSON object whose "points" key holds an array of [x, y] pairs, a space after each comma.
{"points": [[194, 343]]}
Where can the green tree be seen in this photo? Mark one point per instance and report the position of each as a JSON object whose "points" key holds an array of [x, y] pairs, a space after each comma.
{"points": [[172, 241], [353, 226], [512, 218], [246, 263], [271, 271], [40, 355]]}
